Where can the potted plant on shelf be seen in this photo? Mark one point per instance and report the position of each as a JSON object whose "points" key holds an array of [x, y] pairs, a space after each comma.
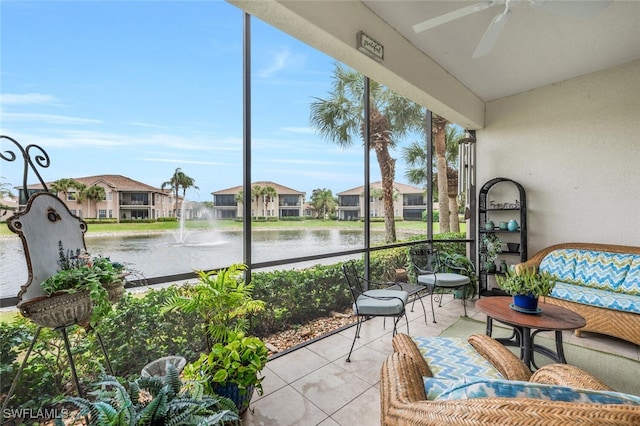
{"points": [[492, 247], [225, 303], [82, 291], [526, 285]]}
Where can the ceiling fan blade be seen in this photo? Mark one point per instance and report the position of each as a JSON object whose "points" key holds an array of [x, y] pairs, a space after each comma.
{"points": [[578, 9], [452, 16], [490, 37]]}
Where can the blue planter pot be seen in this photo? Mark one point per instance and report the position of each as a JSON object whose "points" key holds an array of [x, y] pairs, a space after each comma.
{"points": [[525, 302], [231, 391]]}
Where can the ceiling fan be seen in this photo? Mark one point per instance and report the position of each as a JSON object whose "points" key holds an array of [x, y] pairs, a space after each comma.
{"points": [[580, 9]]}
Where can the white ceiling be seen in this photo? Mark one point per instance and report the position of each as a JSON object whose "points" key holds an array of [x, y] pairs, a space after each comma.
{"points": [[535, 49]]}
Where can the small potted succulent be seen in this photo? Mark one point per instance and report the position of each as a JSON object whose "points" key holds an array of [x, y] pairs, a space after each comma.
{"points": [[526, 285]]}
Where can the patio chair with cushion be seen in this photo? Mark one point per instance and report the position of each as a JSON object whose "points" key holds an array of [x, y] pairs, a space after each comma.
{"points": [[436, 275], [369, 301]]}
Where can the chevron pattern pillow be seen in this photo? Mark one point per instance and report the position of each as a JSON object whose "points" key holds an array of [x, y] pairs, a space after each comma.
{"points": [[631, 284], [596, 269], [602, 270], [453, 358]]}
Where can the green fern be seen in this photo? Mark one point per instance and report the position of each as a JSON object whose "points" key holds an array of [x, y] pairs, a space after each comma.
{"points": [[173, 380], [172, 403], [154, 411]]}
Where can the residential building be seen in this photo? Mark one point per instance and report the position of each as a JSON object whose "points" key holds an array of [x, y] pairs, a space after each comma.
{"points": [[126, 199], [408, 203], [228, 203]]}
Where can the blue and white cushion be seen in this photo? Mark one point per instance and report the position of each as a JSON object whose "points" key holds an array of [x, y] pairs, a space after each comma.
{"points": [[560, 264], [631, 284], [591, 268], [452, 358], [492, 388], [602, 270], [595, 297]]}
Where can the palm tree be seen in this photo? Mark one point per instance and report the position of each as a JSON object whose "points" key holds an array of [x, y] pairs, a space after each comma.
{"points": [[93, 193], [440, 146], [64, 185], [453, 137], [339, 118], [415, 156], [80, 195], [239, 199], [256, 192], [269, 194], [323, 201], [177, 181]]}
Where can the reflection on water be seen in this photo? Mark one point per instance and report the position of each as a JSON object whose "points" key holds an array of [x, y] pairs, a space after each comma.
{"points": [[158, 254]]}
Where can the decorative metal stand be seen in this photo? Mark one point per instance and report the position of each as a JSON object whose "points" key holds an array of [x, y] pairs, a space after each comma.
{"points": [[44, 223]]}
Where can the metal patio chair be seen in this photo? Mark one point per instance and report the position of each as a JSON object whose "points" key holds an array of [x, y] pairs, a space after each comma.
{"points": [[436, 275], [373, 302]]}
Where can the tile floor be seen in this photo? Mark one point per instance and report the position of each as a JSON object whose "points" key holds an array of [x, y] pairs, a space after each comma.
{"points": [[316, 386]]}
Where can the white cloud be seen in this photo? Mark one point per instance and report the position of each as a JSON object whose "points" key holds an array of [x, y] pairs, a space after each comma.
{"points": [[283, 59], [27, 98], [46, 118], [183, 161], [299, 130], [278, 62], [315, 162]]}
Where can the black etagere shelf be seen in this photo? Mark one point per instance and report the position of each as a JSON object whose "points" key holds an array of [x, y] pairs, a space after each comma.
{"points": [[515, 209]]}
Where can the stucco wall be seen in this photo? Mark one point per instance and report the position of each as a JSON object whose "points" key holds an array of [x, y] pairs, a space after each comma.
{"points": [[575, 147]]}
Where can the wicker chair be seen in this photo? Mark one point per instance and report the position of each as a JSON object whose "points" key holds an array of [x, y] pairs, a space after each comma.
{"points": [[403, 400]]}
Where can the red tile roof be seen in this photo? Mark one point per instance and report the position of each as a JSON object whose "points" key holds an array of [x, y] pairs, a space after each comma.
{"points": [[280, 189]]}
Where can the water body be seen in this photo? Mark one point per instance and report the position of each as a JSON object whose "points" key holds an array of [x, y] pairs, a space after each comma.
{"points": [[162, 254]]}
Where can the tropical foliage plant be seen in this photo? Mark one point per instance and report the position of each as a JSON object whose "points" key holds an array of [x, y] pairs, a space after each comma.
{"points": [[222, 299], [153, 400], [238, 361]]}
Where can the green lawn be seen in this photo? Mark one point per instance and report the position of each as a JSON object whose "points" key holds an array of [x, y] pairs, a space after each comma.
{"points": [[229, 224]]}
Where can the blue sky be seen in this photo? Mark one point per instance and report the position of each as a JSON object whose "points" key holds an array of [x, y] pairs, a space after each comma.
{"points": [[141, 88]]}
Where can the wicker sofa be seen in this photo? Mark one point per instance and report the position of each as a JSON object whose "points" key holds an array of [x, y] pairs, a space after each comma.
{"points": [[404, 399], [601, 282]]}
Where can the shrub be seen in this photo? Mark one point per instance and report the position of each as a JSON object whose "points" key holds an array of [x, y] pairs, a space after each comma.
{"points": [[149, 334], [295, 297], [46, 375]]}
